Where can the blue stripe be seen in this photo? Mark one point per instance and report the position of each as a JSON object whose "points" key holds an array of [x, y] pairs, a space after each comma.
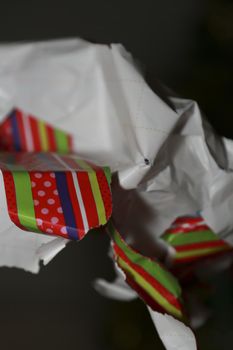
{"points": [[66, 205], [15, 129]]}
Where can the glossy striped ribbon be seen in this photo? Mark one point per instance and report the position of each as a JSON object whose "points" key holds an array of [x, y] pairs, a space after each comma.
{"points": [[192, 240], [23, 132], [153, 283], [67, 202]]}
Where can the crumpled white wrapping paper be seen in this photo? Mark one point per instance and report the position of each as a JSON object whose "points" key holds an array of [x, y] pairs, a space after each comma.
{"points": [[99, 95], [168, 161]]}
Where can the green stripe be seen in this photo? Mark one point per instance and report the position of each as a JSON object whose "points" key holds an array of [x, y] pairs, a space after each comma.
{"points": [[43, 136], [149, 289], [98, 198], [24, 200], [61, 141], [189, 237], [199, 252], [84, 165], [150, 266], [108, 174]]}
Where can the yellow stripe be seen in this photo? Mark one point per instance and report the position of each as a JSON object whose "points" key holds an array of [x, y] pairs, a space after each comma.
{"points": [[149, 289], [43, 136], [84, 165], [98, 198], [199, 252]]}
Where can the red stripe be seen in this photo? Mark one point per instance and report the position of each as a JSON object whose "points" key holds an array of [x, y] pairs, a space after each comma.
{"points": [[201, 245], [188, 220], [146, 297], [88, 199], [51, 138], [11, 199], [35, 134], [105, 192], [6, 135], [209, 255], [75, 204], [192, 228], [23, 143], [151, 280], [70, 143]]}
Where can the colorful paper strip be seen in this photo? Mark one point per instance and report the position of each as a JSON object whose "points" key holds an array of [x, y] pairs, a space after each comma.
{"points": [[154, 284], [192, 240], [23, 132], [68, 202]]}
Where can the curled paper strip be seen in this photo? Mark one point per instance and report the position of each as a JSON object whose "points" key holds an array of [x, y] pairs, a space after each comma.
{"points": [[155, 285], [193, 240], [64, 203], [23, 132], [52, 193]]}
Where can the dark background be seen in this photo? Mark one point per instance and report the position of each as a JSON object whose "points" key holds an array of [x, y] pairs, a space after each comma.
{"points": [[187, 44]]}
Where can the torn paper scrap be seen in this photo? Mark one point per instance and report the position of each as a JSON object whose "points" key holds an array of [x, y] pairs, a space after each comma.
{"points": [[173, 333]]}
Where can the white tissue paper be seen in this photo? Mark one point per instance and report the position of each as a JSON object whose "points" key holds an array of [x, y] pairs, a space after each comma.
{"points": [[167, 162], [173, 333]]}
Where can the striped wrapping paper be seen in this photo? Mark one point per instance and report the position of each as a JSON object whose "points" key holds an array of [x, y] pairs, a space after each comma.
{"points": [[47, 192], [23, 132], [192, 240], [67, 202], [153, 283]]}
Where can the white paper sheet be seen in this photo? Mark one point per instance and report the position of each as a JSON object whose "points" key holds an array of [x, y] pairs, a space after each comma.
{"points": [[173, 333], [98, 94]]}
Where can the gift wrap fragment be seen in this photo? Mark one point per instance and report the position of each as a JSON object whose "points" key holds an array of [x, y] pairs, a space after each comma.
{"points": [[85, 143]]}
